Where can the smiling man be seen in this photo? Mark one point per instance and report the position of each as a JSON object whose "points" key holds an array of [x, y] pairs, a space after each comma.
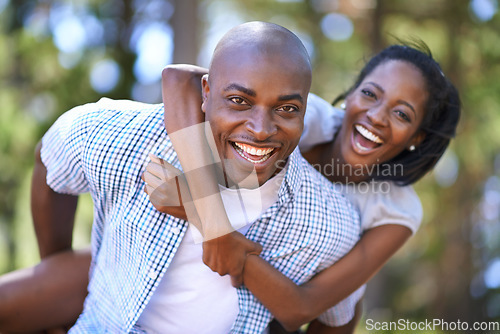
{"points": [[147, 274], [256, 108]]}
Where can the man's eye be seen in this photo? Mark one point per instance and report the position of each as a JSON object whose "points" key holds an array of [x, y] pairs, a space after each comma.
{"points": [[288, 108], [238, 100]]}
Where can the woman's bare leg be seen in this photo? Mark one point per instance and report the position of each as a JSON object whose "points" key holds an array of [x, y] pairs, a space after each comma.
{"points": [[48, 295]]}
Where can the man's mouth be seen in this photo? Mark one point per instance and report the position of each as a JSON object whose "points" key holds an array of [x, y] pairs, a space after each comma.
{"points": [[253, 154], [365, 140]]}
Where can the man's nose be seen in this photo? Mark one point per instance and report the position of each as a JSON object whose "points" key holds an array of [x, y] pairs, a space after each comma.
{"points": [[262, 124]]}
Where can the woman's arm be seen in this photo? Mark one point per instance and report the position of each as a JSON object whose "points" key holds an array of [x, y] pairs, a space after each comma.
{"points": [[317, 327], [306, 302], [182, 98], [184, 122]]}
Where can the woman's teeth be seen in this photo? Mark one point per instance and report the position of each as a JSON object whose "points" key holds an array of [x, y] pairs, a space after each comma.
{"points": [[368, 134], [265, 153]]}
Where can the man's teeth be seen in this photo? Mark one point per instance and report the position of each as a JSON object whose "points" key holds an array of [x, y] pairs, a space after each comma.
{"points": [[253, 150], [368, 134], [265, 153]]}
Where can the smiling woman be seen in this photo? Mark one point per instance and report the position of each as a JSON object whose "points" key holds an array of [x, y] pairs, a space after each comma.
{"points": [[421, 99], [383, 117]]}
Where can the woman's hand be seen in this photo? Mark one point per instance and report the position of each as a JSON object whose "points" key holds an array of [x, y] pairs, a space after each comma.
{"points": [[227, 254], [167, 188]]}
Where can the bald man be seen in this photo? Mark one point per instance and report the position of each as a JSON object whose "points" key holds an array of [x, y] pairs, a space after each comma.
{"points": [[147, 274]]}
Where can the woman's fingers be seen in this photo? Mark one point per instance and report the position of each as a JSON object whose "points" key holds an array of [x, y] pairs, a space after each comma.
{"points": [[152, 180], [165, 194], [158, 172], [162, 169]]}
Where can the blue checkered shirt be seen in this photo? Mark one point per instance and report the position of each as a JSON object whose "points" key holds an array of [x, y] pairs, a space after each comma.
{"points": [[103, 148]]}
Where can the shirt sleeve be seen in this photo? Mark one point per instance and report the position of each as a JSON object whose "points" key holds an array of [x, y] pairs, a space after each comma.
{"points": [[321, 122], [383, 202], [343, 312], [62, 150]]}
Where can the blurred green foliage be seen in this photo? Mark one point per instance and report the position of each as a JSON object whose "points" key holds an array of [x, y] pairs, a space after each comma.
{"points": [[446, 271]]}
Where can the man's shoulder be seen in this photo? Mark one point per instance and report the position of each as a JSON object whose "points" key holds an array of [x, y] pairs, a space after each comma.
{"points": [[321, 194], [126, 105], [313, 179], [121, 115], [109, 111]]}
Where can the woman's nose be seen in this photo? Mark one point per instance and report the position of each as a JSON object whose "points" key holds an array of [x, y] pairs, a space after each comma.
{"points": [[378, 115]]}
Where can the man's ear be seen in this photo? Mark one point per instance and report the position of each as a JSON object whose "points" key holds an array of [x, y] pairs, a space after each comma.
{"points": [[205, 90]]}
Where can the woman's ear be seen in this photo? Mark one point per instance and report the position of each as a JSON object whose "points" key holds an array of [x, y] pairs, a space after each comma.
{"points": [[417, 139], [205, 90]]}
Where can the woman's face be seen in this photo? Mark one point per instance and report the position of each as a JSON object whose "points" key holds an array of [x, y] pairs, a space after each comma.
{"points": [[383, 115]]}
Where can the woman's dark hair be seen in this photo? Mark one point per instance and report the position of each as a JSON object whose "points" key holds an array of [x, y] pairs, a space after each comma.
{"points": [[441, 116]]}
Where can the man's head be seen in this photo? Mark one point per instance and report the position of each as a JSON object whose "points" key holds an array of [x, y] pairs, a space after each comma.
{"points": [[255, 97]]}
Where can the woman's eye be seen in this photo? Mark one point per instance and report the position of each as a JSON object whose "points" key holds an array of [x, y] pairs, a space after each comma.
{"points": [[288, 108], [368, 93], [403, 115], [238, 100]]}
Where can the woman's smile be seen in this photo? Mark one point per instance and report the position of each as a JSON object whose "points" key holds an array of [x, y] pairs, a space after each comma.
{"points": [[365, 140]]}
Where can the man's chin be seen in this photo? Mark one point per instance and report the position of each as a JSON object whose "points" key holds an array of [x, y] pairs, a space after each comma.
{"points": [[247, 175]]}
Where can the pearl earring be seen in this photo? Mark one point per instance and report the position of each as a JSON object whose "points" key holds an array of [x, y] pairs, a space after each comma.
{"points": [[412, 148], [342, 105]]}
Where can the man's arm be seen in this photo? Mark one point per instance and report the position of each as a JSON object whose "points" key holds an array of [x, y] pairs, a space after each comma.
{"points": [[53, 213]]}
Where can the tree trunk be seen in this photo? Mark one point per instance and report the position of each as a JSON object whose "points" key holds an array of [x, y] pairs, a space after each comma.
{"points": [[185, 26]]}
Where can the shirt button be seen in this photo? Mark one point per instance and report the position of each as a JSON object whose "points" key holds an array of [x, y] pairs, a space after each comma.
{"points": [[152, 274], [175, 230]]}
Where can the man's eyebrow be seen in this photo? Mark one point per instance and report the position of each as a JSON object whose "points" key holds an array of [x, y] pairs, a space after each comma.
{"points": [[291, 97], [247, 91], [251, 92], [399, 101]]}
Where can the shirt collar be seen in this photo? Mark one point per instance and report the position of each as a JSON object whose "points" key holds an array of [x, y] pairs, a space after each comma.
{"points": [[294, 175]]}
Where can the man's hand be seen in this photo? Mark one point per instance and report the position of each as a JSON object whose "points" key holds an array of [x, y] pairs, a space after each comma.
{"points": [[227, 255], [166, 187]]}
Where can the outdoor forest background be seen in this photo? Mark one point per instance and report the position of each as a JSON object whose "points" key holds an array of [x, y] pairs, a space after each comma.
{"points": [[55, 55]]}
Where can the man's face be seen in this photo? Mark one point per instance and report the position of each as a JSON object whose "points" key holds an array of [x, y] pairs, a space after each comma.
{"points": [[255, 105]]}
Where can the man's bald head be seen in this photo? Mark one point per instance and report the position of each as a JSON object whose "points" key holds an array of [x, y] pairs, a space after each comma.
{"points": [[265, 41]]}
